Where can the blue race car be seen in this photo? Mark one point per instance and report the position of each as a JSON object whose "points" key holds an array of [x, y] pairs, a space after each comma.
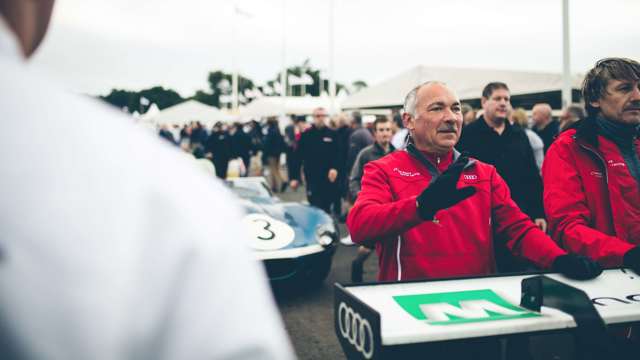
{"points": [[293, 240]]}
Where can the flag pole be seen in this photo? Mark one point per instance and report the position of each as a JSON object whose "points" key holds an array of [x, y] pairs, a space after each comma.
{"points": [[566, 56]]}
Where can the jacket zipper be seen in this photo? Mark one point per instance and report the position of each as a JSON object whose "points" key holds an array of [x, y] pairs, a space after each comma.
{"points": [[604, 163]]}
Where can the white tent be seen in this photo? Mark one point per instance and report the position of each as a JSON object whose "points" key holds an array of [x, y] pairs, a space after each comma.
{"points": [[290, 105], [191, 110], [467, 82]]}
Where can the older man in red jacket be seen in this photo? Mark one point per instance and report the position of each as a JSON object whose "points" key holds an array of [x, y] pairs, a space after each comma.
{"points": [[592, 173], [432, 212]]}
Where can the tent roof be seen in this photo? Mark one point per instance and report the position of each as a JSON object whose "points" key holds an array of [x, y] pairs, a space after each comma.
{"points": [[468, 83], [293, 105], [191, 110]]}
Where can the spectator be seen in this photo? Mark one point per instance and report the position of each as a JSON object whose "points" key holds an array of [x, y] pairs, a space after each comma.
{"points": [[519, 118], [218, 149], [592, 178], [468, 114], [358, 140], [199, 135], [544, 125], [294, 163], [318, 151], [381, 147], [274, 146], [400, 133], [241, 146], [343, 133], [492, 139], [571, 115], [114, 256], [592, 172]]}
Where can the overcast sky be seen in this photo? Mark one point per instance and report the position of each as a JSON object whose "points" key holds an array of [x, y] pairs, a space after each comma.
{"points": [[95, 45]]}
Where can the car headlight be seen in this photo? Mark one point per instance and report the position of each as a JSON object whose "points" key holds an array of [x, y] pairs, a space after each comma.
{"points": [[326, 234]]}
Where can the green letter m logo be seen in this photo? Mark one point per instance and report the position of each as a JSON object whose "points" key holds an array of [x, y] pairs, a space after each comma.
{"points": [[461, 307]]}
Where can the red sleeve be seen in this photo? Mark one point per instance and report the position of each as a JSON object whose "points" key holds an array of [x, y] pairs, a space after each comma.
{"points": [[524, 238], [568, 213], [375, 215]]}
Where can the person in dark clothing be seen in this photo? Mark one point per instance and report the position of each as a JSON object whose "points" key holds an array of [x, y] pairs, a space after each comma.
{"points": [[359, 139], [318, 150], [256, 136], [492, 139], [381, 147], [273, 147], [294, 163], [544, 125], [571, 115], [199, 135], [241, 145], [343, 132], [166, 134], [218, 149]]}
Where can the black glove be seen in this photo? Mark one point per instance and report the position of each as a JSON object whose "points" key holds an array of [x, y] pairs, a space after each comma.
{"points": [[442, 193], [576, 267], [632, 259]]}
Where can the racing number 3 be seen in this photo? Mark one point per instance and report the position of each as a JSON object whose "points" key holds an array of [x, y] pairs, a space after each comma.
{"points": [[266, 227]]}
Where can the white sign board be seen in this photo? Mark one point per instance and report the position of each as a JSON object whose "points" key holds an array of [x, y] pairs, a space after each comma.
{"points": [[457, 309]]}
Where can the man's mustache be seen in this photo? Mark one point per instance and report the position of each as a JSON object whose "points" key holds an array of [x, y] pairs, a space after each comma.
{"points": [[448, 127], [633, 106]]}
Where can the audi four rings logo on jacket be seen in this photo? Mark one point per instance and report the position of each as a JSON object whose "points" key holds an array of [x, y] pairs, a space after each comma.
{"points": [[356, 330]]}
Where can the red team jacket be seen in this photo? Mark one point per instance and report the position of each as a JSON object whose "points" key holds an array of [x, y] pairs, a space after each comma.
{"points": [[591, 200], [459, 242]]}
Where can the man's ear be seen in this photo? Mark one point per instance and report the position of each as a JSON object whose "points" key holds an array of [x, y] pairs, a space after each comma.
{"points": [[407, 121], [483, 100]]}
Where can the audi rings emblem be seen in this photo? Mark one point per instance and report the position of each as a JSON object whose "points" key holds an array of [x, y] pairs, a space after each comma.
{"points": [[356, 330]]}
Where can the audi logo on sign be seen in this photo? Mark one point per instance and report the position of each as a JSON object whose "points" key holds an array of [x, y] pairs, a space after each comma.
{"points": [[356, 330]]}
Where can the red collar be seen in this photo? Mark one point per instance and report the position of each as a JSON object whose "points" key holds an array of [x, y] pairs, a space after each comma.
{"points": [[441, 162]]}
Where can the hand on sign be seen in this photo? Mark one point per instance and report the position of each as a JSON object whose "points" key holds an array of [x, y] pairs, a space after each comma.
{"points": [[442, 193], [632, 259], [576, 267]]}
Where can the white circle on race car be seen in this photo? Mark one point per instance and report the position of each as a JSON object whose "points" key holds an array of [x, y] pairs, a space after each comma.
{"points": [[267, 233]]}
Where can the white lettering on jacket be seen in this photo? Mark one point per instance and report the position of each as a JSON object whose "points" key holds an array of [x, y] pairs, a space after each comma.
{"points": [[470, 177], [406, 173], [614, 164]]}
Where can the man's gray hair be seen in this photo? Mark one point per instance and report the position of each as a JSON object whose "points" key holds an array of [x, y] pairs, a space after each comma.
{"points": [[410, 101]]}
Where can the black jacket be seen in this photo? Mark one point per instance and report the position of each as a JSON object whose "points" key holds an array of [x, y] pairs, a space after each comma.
{"points": [[548, 134], [240, 144], [318, 150], [219, 144], [273, 144], [512, 155]]}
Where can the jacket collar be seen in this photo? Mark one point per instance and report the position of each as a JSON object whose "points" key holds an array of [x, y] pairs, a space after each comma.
{"points": [[379, 150], [416, 154], [587, 131]]}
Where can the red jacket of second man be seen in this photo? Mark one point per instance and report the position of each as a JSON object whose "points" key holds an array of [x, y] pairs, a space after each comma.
{"points": [[460, 240], [591, 200]]}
